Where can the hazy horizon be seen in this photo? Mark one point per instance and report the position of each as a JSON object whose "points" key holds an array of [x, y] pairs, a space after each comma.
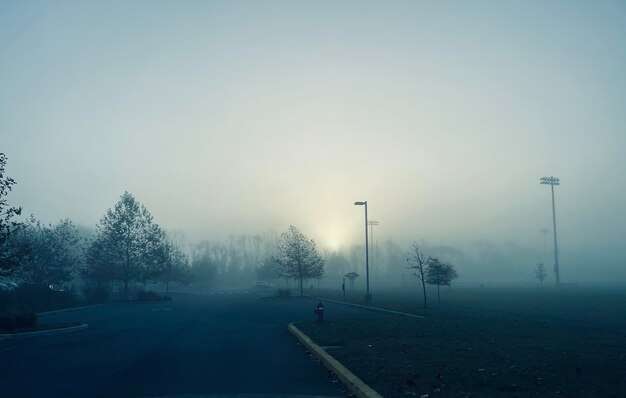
{"points": [[246, 117]]}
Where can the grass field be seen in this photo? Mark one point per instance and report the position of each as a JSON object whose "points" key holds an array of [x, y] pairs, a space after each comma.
{"points": [[487, 342], [582, 306]]}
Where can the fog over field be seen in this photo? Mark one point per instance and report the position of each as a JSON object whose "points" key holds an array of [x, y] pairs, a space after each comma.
{"points": [[227, 118]]}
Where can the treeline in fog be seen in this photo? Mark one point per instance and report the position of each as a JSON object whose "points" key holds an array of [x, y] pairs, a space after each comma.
{"points": [[126, 251]]}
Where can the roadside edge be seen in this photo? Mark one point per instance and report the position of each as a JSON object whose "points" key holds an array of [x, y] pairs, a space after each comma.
{"points": [[356, 385], [68, 309], [84, 307], [49, 332], [370, 308]]}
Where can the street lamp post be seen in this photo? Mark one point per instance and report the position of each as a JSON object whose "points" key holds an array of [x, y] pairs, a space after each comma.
{"points": [[368, 296], [552, 181]]}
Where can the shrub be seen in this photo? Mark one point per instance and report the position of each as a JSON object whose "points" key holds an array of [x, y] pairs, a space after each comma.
{"points": [[25, 320], [7, 299], [42, 298], [148, 295], [96, 293], [13, 321], [283, 293], [7, 322]]}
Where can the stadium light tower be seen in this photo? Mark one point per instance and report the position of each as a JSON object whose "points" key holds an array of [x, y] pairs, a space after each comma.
{"points": [[368, 296], [372, 223], [552, 181]]}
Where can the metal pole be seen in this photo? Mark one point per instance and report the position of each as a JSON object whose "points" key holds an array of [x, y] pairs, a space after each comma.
{"points": [[372, 236], [372, 223], [552, 181], [368, 297], [556, 250]]}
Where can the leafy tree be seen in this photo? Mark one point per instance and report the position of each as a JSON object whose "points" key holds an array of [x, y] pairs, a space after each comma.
{"points": [[298, 257], [351, 277], [417, 263], [128, 246], [438, 273], [97, 283], [10, 254], [55, 254], [175, 268], [540, 273]]}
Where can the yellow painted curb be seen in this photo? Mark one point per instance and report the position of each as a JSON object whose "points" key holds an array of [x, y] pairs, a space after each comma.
{"points": [[356, 385]]}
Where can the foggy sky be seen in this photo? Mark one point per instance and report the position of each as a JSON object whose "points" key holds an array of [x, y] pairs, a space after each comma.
{"points": [[233, 117]]}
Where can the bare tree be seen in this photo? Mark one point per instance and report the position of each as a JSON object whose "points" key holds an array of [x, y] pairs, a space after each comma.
{"points": [[351, 277], [298, 257], [439, 273], [540, 273], [417, 263], [206, 261]]}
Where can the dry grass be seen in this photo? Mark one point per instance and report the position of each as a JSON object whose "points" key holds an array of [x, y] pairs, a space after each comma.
{"points": [[470, 351]]}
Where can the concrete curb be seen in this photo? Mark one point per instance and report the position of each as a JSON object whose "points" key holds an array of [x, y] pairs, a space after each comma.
{"points": [[73, 309], [50, 332], [102, 305], [376, 309], [356, 385]]}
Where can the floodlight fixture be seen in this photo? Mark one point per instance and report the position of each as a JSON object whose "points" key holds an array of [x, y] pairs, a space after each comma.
{"points": [[550, 181]]}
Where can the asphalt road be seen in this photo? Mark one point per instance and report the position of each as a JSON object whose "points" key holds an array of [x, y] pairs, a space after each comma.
{"points": [[231, 343]]}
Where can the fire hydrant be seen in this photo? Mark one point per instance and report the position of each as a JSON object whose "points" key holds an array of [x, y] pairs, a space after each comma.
{"points": [[319, 311]]}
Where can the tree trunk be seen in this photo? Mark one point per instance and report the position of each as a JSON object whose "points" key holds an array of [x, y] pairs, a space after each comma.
{"points": [[167, 286], [125, 289], [438, 296], [301, 287], [424, 291]]}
